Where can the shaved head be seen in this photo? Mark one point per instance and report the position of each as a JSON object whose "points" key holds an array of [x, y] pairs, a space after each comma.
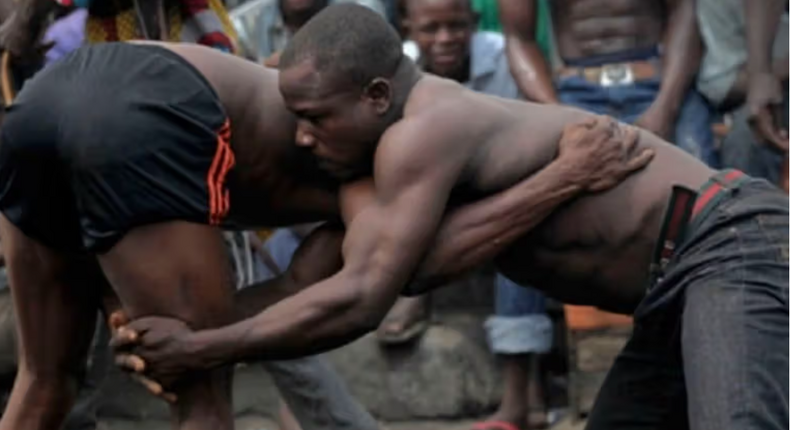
{"points": [[346, 41]]}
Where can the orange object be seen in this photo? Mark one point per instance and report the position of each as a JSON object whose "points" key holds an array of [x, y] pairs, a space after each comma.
{"points": [[592, 318]]}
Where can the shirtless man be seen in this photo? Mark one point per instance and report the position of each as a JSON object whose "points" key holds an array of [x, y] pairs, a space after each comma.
{"points": [[707, 283], [632, 59], [118, 164]]}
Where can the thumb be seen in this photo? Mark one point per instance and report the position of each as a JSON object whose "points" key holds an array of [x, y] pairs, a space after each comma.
{"points": [[117, 320]]}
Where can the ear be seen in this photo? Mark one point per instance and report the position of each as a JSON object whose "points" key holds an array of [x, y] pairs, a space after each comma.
{"points": [[379, 93]]}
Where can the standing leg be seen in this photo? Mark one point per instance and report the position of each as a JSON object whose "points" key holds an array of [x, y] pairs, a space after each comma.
{"points": [[56, 301], [517, 333], [180, 270]]}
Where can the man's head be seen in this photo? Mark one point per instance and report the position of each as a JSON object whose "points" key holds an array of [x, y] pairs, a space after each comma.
{"points": [[296, 13], [442, 29], [344, 77]]}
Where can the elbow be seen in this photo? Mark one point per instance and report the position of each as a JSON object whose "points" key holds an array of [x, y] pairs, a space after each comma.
{"points": [[362, 308], [370, 312]]}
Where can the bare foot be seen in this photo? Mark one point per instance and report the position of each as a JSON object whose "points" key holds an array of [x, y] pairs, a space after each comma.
{"points": [[406, 321]]}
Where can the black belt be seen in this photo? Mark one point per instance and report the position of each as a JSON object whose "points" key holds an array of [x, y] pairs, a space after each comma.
{"points": [[685, 205]]}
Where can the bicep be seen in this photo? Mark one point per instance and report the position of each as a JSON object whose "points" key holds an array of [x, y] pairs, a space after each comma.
{"points": [[518, 18], [386, 240]]}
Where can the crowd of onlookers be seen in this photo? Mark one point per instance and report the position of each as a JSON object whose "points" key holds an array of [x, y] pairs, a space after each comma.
{"points": [[709, 76]]}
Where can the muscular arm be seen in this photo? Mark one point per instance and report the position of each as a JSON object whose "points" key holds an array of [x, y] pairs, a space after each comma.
{"points": [[762, 21], [529, 68], [681, 56], [382, 247], [477, 232]]}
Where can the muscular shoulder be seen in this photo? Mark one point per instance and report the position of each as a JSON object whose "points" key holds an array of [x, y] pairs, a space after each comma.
{"points": [[432, 133]]}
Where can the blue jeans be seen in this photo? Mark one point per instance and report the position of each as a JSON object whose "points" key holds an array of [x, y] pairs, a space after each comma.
{"points": [[709, 348], [741, 149], [627, 102], [519, 324]]}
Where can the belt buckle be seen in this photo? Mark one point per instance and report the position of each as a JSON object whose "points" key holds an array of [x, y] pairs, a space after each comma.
{"points": [[616, 74]]}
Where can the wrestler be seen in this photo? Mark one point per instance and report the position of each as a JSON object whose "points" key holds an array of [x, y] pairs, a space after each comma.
{"points": [[120, 165], [699, 257]]}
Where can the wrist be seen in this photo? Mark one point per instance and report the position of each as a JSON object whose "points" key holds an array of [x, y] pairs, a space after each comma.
{"points": [[667, 107], [566, 175], [207, 348]]}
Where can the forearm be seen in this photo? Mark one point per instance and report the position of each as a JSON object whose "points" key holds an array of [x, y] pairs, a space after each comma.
{"points": [[762, 21], [681, 57], [476, 233], [251, 300], [530, 70], [295, 327]]}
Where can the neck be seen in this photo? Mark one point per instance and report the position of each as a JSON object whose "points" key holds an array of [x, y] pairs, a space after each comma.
{"points": [[406, 78]]}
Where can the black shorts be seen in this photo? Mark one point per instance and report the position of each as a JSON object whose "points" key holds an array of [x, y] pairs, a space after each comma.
{"points": [[112, 137]]}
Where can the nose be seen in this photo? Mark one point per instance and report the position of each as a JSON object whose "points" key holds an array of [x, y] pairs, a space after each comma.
{"points": [[304, 138], [445, 35]]}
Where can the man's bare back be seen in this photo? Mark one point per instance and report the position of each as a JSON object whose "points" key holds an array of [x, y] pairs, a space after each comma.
{"points": [[597, 27], [594, 250], [274, 183]]}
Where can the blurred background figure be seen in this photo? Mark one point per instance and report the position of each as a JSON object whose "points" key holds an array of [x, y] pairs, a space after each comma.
{"points": [[744, 74], [266, 26], [632, 59]]}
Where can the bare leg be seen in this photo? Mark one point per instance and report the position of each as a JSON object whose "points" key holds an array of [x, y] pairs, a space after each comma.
{"points": [[180, 270], [56, 299], [522, 402]]}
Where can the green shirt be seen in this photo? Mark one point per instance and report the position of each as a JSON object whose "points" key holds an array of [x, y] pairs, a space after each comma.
{"points": [[489, 21]]}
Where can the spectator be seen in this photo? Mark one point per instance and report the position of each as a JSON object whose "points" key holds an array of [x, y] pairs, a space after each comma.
{"points": [[266, 26], [631, 59], [725, 77], [201, 21], [448, 46]]}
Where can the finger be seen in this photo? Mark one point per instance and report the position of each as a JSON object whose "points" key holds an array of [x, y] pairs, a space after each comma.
{"points": [[640, 161], [124, 337], [585, 124], [630, 137], [598, 133], [152, 386], [130, 362], [769, 132], [118, 319], [169, 397]]}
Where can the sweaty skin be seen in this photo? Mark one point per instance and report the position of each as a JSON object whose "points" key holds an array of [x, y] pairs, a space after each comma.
{"points": [[266, 193], [57, 293], [276, 183], [593, 250], [585, 28]]}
